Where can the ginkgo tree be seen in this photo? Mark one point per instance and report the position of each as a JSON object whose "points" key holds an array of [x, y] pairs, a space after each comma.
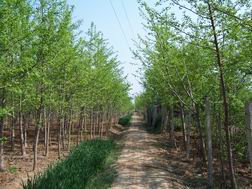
{"points": [[197, 54], [51, 78]]}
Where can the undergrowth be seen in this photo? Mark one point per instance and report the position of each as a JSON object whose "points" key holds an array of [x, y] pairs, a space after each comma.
{"points": [[85, 161]]}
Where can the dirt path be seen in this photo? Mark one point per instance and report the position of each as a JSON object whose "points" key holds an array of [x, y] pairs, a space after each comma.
{"points": [[142, 163]]}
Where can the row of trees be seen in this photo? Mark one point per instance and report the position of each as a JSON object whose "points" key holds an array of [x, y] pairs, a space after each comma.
{"points": [[49, 75], [197, 58]]}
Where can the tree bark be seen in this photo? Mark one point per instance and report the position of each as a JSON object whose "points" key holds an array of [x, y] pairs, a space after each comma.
{"points": [[2, 105], [60, 125], [224, 97], [48, 124], [202, 142], [209, 143], [249, 130], [188, 134], [183, 127], [172, 134], [36, 141], [221, 150]]}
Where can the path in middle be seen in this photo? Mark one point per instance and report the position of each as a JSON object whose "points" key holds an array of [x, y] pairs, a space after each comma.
{"points": [[142, 163]]}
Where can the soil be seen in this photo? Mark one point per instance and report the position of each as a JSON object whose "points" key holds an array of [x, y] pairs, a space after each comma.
{"points": [[149, 161], [19, 168]]}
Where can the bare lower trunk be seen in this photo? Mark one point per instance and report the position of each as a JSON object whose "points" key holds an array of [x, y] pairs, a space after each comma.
{"points": [[2, 166], [202, 142], [188, 134], [48, 124], [184, 128], [2, 105], [63, 128], [209, 144], [248, 113], [13, 125], [59, 136], [221, 151], [69, 131], [22, 142], [35, 148], [26, 125], [172, 134]]}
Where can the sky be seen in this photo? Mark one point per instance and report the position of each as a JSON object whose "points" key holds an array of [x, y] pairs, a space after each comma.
{"points": [[120, 22]]}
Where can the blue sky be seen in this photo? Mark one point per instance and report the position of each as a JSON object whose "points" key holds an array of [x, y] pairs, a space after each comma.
{"points": [[101, 13]]}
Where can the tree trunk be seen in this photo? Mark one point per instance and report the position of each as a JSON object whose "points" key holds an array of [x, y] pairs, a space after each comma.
{"points": [[249, 130], [13, 125], [26, 125], [172, 134], [48, 124], [69, 131], [61, 124], [209, 144], [224, 97], [22, 142], [2, 105], [221, 150], [202, 142], [183, 127], [188, 134], [36, 141]]}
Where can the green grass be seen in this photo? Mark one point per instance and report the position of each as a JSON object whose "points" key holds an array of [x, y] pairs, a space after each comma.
{"points": [[83, 165], [104, 178], [125, 120]]}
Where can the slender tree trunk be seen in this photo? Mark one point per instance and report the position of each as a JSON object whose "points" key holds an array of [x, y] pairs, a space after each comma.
{"points": [[85, 126], [202, 142], [22, 142], [26, 125], [36, 140], [172, 134], [183, 127], [48, 124], [44, 126], [13, 125], [63, 131], [248, 114], [221, 150], [209, 144], [69, 130], [224, 97], [61, 124], [188, 134], [2, 105]]}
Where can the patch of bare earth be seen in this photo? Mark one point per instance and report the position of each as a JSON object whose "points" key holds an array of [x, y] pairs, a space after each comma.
{"points": [[20, 168]]}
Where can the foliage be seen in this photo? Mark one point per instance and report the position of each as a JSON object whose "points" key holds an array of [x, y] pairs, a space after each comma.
{"points": [[125, 120]]}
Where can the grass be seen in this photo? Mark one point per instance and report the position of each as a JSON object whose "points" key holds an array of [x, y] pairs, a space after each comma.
{"points": [[125, 120], [104, 178], [83, 168]]}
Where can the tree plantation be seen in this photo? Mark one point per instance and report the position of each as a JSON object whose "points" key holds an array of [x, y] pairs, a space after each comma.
{"points": [[197, 70], [55, 87], [67, 120]]}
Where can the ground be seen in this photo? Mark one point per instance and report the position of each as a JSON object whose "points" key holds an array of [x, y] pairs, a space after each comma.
{"points": [[146, 161], [143, 162]]}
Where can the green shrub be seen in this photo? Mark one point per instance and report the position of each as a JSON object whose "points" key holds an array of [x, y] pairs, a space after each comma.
{"points": [[125, 120], [75, 171]]}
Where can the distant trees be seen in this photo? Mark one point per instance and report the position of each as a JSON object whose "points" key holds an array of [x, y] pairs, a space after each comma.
{"points": [[199, 53], [49, 75]]}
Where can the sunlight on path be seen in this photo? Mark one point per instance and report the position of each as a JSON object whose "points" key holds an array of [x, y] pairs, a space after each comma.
{"points": [[140, 164]]}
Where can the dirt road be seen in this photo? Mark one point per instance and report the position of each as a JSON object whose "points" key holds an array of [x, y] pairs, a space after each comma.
{"points": [[142, 163]]}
